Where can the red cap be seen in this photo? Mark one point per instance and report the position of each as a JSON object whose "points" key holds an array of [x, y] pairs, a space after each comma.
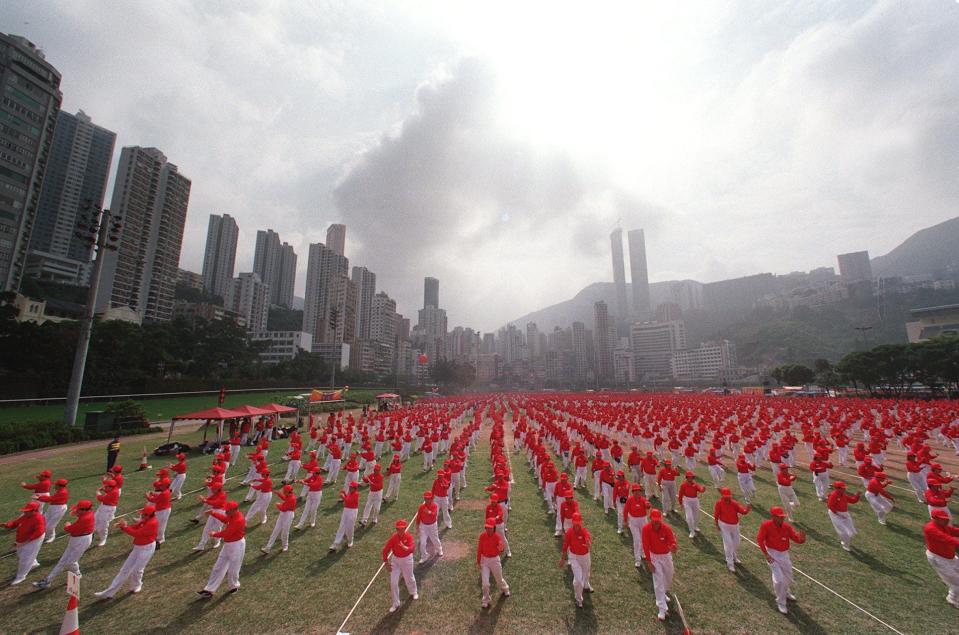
{"points": [[490, 524], [777, 511], [377, 467], [839, 485], [84, 504], [427, 494], [577, 519], [353, 485], [46, 473], [636, 487], [110, 483], [287, 488], [667, 461], [180, 455], [401, 524], [62, 482], [941, 514], [32, 506], [117, 469], [493, 498], [690, 474], [783, 466], [231, 505], [621, 474], [148, 510], [724, 492], [655, 514]]}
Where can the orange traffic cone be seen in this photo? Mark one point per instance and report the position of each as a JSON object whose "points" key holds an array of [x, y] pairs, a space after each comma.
{"points": [[71, 620], [144, 464]]}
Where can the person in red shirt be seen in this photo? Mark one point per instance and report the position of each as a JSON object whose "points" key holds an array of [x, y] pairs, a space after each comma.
{"points": [[425, 525], [215, 501], [351, 505], [649, 465], [293, 455], [42, 486], [230, 559], [398, 557], [689, 493], [576, 547], [56, 507], [820, 466], [879, 499], [179, 468], [160, 499], [108, 496], [395, 472], [31, 527], [784, 483], [281, 529], [659, 545], [264, 494], [838, 506], [314, 485], [635, 512], [374, 500], [938, 498], [726, 515], [488, 548], [744, 473], [666, 479], [580, 462], [144, 533], [773, 539], [568, 509], [941, 542], [81, 535], [620, 495], [495, 512]]}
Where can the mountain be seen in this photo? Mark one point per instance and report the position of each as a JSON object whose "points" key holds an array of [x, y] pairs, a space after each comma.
{"points": [[929, 250]]}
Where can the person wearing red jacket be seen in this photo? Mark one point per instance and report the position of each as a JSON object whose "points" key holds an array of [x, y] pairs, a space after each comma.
{"points": [[314, 496], [81, 535], [281, 529], [568, 509], [488, 548], [398, 558], [495, 512], [634, 461], [293, 455], [620, 495], [351, 505], [666, 479], [576, 547], [867, 470], [773, 539], [689, 492], [374, 500], [214, 502], [659, 545], [635, 512], [820, 466], [441, 486], [879, 499], [264, 494], [937, 498], [178, 468], [425, 525], [784, 483], [579, 462], [31, 527], [160, 499], [649, 466], [744, 473], [838, 506], [395, 472], [108, 496], [144, 533], [726, 515], [230, 559], [56, 507], [941, 542], [916, 475], [42, 486]]}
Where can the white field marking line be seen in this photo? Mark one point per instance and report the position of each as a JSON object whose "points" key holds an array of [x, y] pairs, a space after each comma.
{"points": [[129, 513], [905, 489], [340, 631], [812, 579]]}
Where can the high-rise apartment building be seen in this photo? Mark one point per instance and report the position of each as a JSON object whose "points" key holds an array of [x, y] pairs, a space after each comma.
{"points": [[619, 273], [275, 263], [151, 198], [638, 273], [711, 360], [365, 281], [431, 293], [76, 174], [324, 270], [654, 344], [855, 267], [336, 239], [250, 297], [580, 354], [604, 332], [219, 259], [29, 104]]}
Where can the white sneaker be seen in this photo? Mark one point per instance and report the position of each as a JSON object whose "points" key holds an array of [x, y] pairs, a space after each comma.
{"points": [[791, 597], [731, 568], [416, 596], [393, 608], [782, 609], [661, 616]]}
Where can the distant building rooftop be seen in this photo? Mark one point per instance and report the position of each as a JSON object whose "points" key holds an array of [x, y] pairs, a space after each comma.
{"points": [[935, 310]]}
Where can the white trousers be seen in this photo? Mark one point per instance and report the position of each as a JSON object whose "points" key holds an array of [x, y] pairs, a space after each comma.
{"points": [[731, 540], [234, 454], [669, 496], [259, 507], [212, 524], [402, 567], [821, 481], [443, 502], [131, 570], [313, 500], [70, 560], [717, 473], [691, 507], [227, 565], [662, 577], [163, 517], [495, 567], [579, 480], [176, 487], [918, 482], [292, 468], [580, 566], [842, 523], [52, 517], [373, 502], [607, 490], [429, 534], [649, 485], [788, 496], [393, 486], [101, 521], [347, 525], [782, 572], [746, 484], [880, 504], [636, 525], [948, 571], [27, 557], [334, 470], [281, 530]]}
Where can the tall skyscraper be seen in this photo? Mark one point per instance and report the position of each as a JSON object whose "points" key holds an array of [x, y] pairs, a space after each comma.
{"points": [[336, 238], [654, 344], [603, 334], [250, 297], [638, 273], [276, 266], [28, 115], [219, 259], [151, 198], [431, 293], [77, 172], [324, 269], [619, 274], [365, 281]]}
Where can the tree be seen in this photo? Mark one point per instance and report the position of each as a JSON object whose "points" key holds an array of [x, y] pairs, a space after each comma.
{"points": [[793, 374]]}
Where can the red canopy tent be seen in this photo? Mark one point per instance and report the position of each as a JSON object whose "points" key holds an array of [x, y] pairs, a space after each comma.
{"points": [[211, 414], [253, 411], [277, 408]]}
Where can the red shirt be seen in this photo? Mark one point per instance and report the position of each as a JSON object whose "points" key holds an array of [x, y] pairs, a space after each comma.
{"points": [[668, 474], [314, 482], [144, 531], [658, 541], [649, 464], [82, 526], [264, 484], [577, 542], [395, 468], [160, 500], [729, 511], [287, 502], [30, 526], [60, 496], [839, 501], [940, 541], [42, 486], [777, 536], [234, 526], [399, 546], [690, 490], [785, 479], [635, 507], [109, 498], [488, 546], [217, 501], [567, 508], [375, 480], [494, 511], [351, 499], [426, 514], [179, 467]]}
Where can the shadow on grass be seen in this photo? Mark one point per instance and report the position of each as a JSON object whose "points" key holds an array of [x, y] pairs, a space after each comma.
{"points": [[881, 567], [194, 612], [486, 619], [324, 563], [390, 623]]}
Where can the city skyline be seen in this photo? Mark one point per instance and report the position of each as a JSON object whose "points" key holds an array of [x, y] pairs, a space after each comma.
{"points": [[726, 160]]}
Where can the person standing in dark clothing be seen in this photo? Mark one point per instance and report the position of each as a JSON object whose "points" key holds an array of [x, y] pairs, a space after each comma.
{"points": [[113, 449]]}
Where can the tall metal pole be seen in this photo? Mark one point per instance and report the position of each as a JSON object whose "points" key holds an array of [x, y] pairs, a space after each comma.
{"points": [[86, 324]]}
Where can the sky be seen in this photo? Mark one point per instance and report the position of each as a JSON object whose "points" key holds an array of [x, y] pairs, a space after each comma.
{"points": [[495, 145]]}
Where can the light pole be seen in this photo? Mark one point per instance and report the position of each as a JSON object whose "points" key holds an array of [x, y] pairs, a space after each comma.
{"points": [[334, 323], [101, 231], [864, 331]]}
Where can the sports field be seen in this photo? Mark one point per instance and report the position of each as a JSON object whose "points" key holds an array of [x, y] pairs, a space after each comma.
{"points": [[883, 586]]}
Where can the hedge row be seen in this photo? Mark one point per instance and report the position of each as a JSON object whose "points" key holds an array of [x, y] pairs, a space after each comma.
{"points": [[17, 438]]}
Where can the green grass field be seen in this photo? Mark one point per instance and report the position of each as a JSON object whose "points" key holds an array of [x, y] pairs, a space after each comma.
{"points": [[309, 590]]}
